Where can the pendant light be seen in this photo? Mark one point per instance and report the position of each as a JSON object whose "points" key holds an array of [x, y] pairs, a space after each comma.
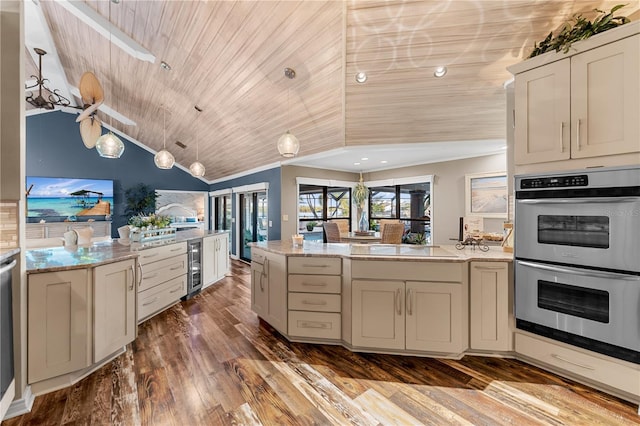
{"points": [[197, 168], [109, 145], [288, 144], [164, 159]]}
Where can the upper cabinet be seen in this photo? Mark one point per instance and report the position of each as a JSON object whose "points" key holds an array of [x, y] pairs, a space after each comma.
{"points": [[581, 105]]}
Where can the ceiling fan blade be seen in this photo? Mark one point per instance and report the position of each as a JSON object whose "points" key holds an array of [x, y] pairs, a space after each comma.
{"points": [[90, 89], [88, 111], [90, 131]]}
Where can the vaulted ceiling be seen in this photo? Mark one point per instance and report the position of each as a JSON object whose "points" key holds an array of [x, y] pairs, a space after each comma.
{"points": [[228, 58]]}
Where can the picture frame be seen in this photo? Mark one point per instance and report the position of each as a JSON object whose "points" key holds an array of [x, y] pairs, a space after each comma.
{"points": [[486, 195]]}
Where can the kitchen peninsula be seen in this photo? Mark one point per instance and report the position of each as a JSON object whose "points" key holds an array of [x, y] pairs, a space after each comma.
{"points": [[85, 302]]}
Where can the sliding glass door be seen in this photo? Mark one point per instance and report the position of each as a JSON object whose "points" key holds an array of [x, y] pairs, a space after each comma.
{"points": [[253, 221]]}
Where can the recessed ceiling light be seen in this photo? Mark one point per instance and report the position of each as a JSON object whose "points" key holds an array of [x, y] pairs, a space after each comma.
{"points": [[165, 66], [364, 158], [356, 164], [440, 72], [384, 161], [361, 77]]}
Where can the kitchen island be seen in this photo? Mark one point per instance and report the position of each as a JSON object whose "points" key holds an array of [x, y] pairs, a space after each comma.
{"points": [[84, 302], [402, 299]]}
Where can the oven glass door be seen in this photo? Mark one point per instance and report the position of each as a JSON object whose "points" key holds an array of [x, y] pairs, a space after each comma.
{"points": [[598, 305], [592, 232]]}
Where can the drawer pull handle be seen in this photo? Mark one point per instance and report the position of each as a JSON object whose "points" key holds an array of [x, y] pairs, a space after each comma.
{"points": [[176, 249], [175, 268], [587, 367], [314, 302], [150, 255], [176, 289], [150, 276], [315, 266], [561, 136], [315, 284], [133, 278], [151, 302], [489, 268], [307, 324]]}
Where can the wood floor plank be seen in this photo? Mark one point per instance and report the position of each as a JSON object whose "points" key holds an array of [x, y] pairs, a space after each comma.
{"points": [[211, 361]]}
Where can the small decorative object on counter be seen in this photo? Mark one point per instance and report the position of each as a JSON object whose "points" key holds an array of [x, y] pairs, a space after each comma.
{"points": [[473, 242], [297, 240], [507, 242], [152, 227]]}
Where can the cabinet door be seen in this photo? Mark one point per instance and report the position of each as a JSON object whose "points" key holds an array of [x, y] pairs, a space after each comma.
{"points": [[59, 323], [542, 102], [222, 256], [114, 313], [434, 317], [605, 110], [209, 257], [378, 314], [259, 284], [275, 268], [489, 306]]}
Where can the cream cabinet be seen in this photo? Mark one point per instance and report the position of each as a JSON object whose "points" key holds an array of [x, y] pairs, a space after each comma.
{"points": [[269, 288], [412, 315], [162, 278], [57, 229], [114, 310], [215, 258], [59, 323], [579, 105], [314, 299], [490, 306]]}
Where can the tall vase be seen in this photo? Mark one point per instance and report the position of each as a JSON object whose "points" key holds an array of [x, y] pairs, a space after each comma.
{"points": [[363, 223]]}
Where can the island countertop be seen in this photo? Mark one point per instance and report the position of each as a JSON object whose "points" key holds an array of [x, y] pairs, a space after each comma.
{"points": [[99, 253], [404, 252]]}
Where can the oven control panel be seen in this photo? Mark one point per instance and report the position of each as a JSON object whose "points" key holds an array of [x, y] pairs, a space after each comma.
{"points": [[554, 182]]}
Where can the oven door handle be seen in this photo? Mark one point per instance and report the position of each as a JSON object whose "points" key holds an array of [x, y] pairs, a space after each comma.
{"points": [[598, 274], [581, 200]]}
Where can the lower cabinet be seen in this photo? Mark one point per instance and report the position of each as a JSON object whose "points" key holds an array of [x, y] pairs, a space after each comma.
{"points": [[490, 306], [269, 288], [114, 307], [59, 323], [411, 315], [79, 317], [215, 258]]}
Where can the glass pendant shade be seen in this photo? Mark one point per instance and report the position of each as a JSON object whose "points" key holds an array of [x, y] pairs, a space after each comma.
{"points": [[197, 169], [288, 145], [164, 159], [109, 146]]}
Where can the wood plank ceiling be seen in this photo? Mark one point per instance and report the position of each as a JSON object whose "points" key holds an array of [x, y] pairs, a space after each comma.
{"points": [[228, 57]]}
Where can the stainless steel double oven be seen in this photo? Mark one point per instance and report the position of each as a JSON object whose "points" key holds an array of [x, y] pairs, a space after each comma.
{"points": [[577, 250]]}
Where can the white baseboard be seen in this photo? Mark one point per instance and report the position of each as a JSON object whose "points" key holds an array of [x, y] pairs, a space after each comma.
{"points": [[21, 406]]}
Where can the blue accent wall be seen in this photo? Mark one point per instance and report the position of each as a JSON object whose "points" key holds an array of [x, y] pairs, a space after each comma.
{"points": [[274, 178], [55, 149]]}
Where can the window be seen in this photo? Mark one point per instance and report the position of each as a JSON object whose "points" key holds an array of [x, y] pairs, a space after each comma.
{"points": [[317, 204], [410, 203], [223, 213]]}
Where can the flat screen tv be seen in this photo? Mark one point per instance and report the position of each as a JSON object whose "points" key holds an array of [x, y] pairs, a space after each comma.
{"points": [[66, 197]]}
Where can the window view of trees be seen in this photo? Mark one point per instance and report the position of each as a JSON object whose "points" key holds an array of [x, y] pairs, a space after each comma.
{"points": [[411, 204], [320, 203]]}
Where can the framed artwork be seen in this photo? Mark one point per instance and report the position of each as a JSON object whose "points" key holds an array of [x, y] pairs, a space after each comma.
{"points": [[486, 194]]}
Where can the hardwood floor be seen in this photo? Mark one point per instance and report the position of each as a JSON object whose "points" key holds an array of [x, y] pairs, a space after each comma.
{"points": [[209, 361]]}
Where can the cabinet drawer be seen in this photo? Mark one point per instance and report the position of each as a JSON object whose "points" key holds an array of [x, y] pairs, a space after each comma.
{"points": [[314, 302], [155, 299], [159, 272], [315, 283], [621, 376], [315, 265], [321, 325], [162, 252]]}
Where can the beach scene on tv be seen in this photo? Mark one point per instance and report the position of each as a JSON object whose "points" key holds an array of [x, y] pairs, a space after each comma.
{"points": [[68, 197]]}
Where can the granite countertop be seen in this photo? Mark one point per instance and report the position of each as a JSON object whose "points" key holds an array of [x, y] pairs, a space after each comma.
{"points": [[407, 252], [98, 253], [6, 253]]}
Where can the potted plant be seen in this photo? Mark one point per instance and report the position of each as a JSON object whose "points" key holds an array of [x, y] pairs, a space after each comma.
{"points": [[581, 30], [311, 225], [140, 199]]}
